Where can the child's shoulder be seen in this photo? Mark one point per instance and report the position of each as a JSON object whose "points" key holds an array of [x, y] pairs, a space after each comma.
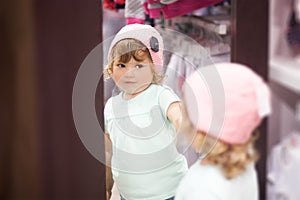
{"points": [[155, 88], [108, 104], [161, 91], [204, 172], [161, 88]]}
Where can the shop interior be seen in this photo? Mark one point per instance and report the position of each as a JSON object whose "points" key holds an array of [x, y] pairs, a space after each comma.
{"points": [[45, 43]]}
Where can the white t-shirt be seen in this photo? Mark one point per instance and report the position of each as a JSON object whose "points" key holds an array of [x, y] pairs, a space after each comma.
{"points": [[145, 162], [208, 183]]}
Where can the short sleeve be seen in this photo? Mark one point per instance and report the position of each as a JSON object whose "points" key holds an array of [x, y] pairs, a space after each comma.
{"points": [[166, 98]]}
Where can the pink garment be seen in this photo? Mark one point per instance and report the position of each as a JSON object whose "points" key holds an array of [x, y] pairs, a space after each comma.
{"points": [[153, 13], [178, 8], [119, 1], [152, 1], [182, 7], [107, 4], [131, 20]]}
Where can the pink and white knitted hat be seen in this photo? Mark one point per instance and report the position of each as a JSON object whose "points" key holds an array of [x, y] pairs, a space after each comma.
{"points": [[149, 36], [246, 101]]}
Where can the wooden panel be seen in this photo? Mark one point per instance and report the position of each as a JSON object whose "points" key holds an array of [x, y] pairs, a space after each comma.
{"points": [[250, 46], [7, 100], [18, 145], [66, 32]]}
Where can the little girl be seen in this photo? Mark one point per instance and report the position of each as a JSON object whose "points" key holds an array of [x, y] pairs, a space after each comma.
{"points": [[225, 170], [142, 120]]}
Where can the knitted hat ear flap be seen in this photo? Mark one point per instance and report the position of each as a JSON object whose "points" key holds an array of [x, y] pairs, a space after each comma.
{"points": [[146, 34]]}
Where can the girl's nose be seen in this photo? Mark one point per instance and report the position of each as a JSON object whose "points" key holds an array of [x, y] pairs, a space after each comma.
{"points": [[130, 71]]}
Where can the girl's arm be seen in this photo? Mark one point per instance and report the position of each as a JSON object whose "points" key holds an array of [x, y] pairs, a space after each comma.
{"points": [[174, 114], [108, 156]]}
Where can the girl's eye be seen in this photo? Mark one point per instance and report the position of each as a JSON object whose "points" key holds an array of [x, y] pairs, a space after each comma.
{"points": [[139, 66], [121, 65]]}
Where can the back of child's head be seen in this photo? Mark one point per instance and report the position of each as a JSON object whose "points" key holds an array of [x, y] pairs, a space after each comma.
{"points": [[246, 101]]}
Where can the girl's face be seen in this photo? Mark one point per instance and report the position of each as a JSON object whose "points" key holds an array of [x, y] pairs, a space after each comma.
{"points": [[133, 77]]}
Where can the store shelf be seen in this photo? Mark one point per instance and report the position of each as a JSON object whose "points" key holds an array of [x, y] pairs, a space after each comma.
{"points": [[286, 72]]}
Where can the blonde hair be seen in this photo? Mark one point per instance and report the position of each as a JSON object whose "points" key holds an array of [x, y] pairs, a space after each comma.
{"points": [[126, 49], [232, 158]]}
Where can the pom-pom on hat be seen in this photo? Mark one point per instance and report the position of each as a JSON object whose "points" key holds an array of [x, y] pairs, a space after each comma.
{"points": [[146, 34], [246, 101]]}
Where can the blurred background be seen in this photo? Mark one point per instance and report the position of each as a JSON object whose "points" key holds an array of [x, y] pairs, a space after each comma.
{"points": [[43, 44]]}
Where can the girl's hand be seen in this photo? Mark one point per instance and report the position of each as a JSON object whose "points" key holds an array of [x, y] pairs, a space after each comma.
{"points": [[108, 194]]}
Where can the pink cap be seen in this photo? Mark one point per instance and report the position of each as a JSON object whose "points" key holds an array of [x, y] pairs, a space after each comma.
{"points": [[149, 36], [232, 111]]}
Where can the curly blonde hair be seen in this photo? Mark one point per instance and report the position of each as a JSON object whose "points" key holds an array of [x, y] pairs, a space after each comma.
{"points": [[126, 49], [233, 159]]}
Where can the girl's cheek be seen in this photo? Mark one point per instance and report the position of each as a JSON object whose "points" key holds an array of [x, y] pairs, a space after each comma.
{"points": [[117, 75]]}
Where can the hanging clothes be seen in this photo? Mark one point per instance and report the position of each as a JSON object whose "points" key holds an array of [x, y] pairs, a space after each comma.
{"points": [[109, 4], [283, 169], [178, 8], [134, 12], [293, 33], [114, 5], [297, 9], [177, 70]]}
